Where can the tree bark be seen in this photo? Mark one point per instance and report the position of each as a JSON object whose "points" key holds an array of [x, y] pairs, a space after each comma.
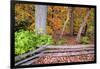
{"points": [[82, 25], [85, 29], [40, 18], [71, 20]]}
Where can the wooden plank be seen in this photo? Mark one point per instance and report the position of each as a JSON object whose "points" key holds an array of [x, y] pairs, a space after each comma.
{"points": [[69, 53], [29, 53], [30, 62], [70, 46], [67, 50], [27, 59]]}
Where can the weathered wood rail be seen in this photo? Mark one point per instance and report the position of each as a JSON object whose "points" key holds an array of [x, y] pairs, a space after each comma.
{"points": [[29, 53], [54, 51]]}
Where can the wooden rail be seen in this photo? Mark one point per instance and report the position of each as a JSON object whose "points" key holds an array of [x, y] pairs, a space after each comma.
{"points": [[67, 50], [69, 53], [71, 46], [55, 51], [32, 52], [25, 60]]}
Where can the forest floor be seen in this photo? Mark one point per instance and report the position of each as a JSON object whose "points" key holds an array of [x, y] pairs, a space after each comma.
{"points": [[71, 40], [64, 59]]}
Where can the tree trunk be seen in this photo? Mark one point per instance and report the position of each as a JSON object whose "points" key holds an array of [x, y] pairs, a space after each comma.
{"points": [[71, 21], [85, 29], [40, 18], [82, 25], [64, 26]]}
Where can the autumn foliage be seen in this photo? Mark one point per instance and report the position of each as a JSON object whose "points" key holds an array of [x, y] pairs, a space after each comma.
{"points": [[57, 15]]}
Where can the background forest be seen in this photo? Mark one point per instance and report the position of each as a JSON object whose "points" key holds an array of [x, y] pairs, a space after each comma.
{"points": [[63, 25]]}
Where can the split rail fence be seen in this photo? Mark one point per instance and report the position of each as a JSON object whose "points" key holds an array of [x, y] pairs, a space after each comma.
{"points": [[62, 50]]}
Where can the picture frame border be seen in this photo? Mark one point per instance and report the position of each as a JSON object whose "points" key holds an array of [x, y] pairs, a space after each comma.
{"points": [[12, 51]]}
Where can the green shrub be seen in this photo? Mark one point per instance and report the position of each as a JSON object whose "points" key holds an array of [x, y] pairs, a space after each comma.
{"points": [[26, 41], [44, 39], [62, 41], [85, 40]]}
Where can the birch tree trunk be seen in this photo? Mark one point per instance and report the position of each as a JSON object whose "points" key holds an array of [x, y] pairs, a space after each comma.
{"points": [[40, 18], [64, 26], [82, 25]]}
